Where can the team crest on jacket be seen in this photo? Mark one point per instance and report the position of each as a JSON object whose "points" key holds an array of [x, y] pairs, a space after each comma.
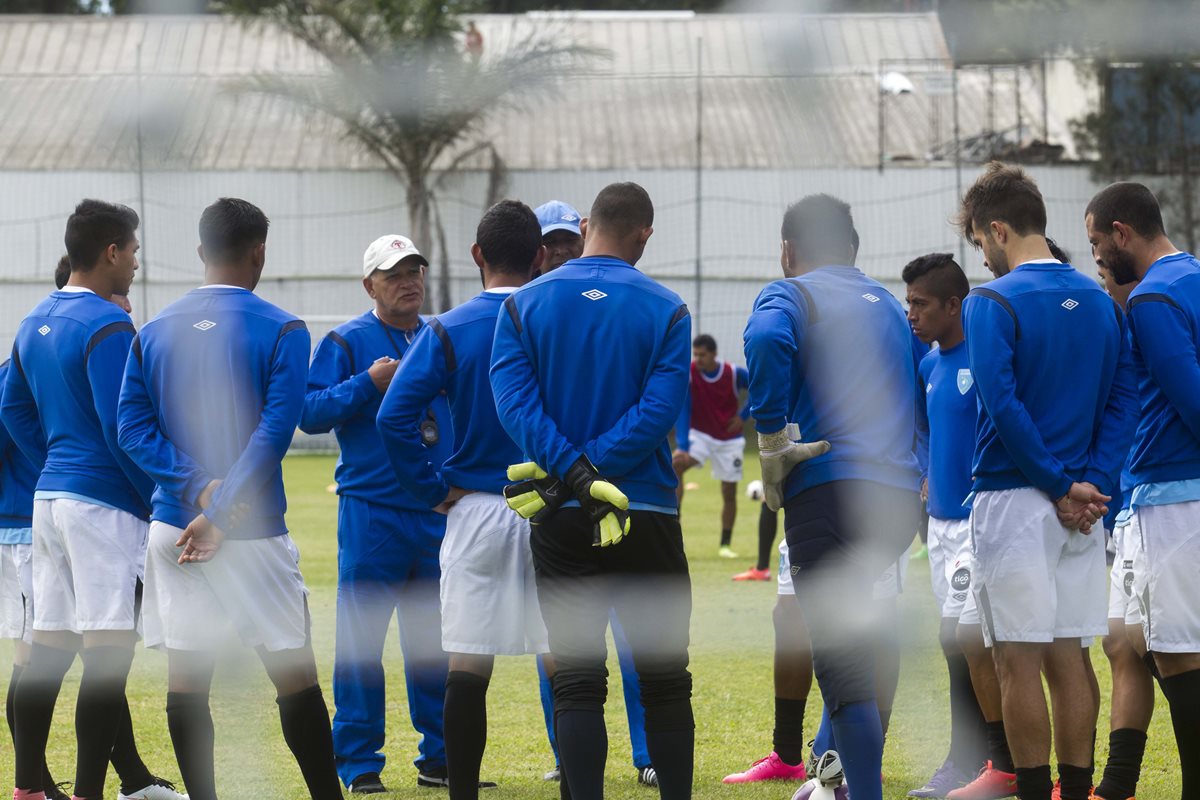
{"points": [[965, 381]]}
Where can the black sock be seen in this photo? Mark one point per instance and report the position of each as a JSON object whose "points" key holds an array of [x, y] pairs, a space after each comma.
{"points": [[1183, 696], [789, 730], [1126, 747], [33, 709], [1076, 782], [583, 750], [125, 757], [8, 703], [1033, 783], [968, 734], [726, 536], [997, 742], [465, 722], [305, 721], [190, 722], [673, 754], [768, 526], [98, 715]]}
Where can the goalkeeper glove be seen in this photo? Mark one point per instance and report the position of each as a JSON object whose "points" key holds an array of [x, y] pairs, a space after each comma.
{"points": [[605, 505], [537, 496], [778, 454]]}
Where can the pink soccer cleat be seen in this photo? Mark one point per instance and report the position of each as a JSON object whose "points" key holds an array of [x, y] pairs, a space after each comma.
{"points": [[771, 768], [753, 574]]}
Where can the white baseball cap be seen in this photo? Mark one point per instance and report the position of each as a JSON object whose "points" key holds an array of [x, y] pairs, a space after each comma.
{"points": [[388, 251]]}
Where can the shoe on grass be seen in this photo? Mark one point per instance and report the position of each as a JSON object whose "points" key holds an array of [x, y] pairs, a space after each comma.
{"points": [[367, 783], [437, 779], [946, 779], [990, 784], [726, 552], [647, 776], [159, 789], [554, 774], [770, 768], [753, 574]]}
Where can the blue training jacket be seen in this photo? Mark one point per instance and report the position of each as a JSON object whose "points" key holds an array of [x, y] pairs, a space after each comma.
{"points": [[951, 409], [832, 351], [60, 399], [593, 358], [451, 357], [213, 390], [1164, 323], [342, 398], [18, 476], [1053, 370]]}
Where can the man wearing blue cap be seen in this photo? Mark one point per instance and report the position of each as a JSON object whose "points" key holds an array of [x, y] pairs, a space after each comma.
{"points": [[560, 233], [563, 241]]}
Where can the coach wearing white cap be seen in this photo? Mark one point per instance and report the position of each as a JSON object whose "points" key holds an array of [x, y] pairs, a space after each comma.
{"points": [[388, 541]]}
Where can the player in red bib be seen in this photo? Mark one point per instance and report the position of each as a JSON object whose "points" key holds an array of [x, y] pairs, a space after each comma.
{"points": [[710, 427]]}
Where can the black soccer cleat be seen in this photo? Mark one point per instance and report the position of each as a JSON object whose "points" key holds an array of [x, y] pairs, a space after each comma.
{"points": [[436, 779], [647, 776], [367, 783]]}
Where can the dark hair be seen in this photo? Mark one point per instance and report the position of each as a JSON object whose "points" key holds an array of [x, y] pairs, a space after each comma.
{"points": [[821, 229], [509, 236], [941, 273], [706, 342], [62, 272], [93, 227], [1128, 202], [230, 227], [622, 209], [1058, 252], [1002, 194]]}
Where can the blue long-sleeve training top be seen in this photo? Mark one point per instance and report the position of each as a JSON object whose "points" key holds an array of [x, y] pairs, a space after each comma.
{"points": [[213, 391], [951, 408], [593, 359], [1052, 367], [60, 400], [741, 382], [450, 357], [1164, 323], [18, 476], [832, 352], [342, 397]]}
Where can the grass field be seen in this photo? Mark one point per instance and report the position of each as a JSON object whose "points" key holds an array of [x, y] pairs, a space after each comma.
{"points": [[731, 662]]}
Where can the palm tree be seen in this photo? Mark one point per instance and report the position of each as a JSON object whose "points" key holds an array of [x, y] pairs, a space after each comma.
{"points": [[403, 86]]}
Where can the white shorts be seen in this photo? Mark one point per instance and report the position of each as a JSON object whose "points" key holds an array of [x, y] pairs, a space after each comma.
{"points": [[726, 454], [489, 598], [1035, 581], [889, 586], [1166, 586], [251, 588], [950, 564], [88, 560], [1127, 559], [16, 592]]}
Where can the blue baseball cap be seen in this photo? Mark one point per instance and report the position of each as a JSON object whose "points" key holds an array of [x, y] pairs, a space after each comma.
{"points": [[557, 216]]}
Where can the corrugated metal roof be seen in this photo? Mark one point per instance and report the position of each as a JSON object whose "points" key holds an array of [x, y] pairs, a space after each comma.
{"points": [[777, 92]]}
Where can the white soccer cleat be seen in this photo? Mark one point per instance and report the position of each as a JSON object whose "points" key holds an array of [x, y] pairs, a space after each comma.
{"points": [[159, 790]]}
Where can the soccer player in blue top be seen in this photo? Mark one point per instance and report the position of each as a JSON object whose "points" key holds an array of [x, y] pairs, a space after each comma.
{"points": [[1132, 667], [563, 240], [91, 500], [1125, 228], [831, 357], [388, 540], [489, 602], [589, 371], [937, 287], [1048, 352], [213, 389]]}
